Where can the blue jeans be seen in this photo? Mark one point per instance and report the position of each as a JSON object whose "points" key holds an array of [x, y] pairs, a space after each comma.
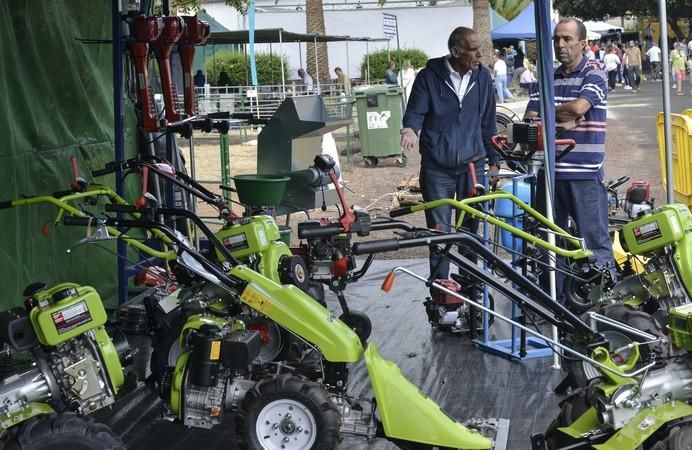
{"points": [[436, 184], [586, 201], [501, 88]]}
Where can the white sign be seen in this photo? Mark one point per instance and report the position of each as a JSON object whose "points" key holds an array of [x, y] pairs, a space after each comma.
{"points": [[378, 119], [389, 25]]}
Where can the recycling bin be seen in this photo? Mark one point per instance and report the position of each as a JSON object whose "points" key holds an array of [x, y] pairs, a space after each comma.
{"points": [[379, 123]]}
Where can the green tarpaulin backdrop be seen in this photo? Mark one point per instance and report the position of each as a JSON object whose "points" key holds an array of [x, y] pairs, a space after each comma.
{"points": [[58, 102]]}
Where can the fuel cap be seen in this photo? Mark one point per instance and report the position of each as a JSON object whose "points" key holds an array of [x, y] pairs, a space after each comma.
{"points": [[64, 293]]}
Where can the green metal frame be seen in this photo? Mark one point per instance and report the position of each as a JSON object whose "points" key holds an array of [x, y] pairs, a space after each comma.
{"points": [[466, 207]]}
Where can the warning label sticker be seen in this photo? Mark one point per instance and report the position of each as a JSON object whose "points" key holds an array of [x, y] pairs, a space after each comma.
{"points": [[647, 232], [71, 317]]}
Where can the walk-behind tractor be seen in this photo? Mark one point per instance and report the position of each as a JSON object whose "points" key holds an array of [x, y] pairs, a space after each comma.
{"points": [[218, 371], [75, 368], [640, 400]]}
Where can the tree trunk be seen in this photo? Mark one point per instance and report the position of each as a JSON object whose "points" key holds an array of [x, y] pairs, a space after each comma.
{"points": [[673, 22], [481, 24], [314, 23]]}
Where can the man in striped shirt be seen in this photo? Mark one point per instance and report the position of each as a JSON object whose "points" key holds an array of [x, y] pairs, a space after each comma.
{"points": [[580, 107]]}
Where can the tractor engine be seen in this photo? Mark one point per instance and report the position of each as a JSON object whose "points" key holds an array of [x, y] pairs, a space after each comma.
{"points": [[659, 284], [216, 374], [72, 371], [668, 384], [330, 257]]}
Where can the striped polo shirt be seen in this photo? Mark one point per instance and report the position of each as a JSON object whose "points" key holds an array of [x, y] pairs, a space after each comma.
{"points": [[588, 81]]}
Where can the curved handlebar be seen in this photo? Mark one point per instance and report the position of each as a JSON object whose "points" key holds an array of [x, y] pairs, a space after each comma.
{"points": [[466, 207]]}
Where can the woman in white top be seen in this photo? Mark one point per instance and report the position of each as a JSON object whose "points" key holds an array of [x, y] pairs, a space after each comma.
{"points": [[500, 70], [611, 62], [407, 77], [528, 79]]}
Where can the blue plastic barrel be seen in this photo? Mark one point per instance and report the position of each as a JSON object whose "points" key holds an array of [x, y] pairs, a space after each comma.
{"points": [[504, 208]]}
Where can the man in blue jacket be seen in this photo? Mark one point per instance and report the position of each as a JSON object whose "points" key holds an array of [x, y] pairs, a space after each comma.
{"points": [[451, 115]]}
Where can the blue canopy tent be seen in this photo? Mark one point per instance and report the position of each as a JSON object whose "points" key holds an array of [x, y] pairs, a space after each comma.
{"points": [[521, 28]]}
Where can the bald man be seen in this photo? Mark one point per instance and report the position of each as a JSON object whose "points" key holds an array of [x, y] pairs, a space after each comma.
{"points": [[451, 116]]}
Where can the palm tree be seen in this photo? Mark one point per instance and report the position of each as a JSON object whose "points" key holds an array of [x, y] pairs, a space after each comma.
{"points": [[314, 23], [481, 24]]}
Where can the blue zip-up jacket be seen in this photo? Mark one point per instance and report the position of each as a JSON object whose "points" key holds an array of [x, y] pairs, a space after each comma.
{"points": [[452, 135]]}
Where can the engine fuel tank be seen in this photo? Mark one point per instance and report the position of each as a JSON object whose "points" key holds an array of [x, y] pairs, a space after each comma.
{"points": [[66, 311], [663, 226]]}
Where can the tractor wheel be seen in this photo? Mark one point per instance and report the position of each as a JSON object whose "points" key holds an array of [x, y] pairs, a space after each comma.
{"points": [[583, 372], [679, 437], [370, 161], [571, 408], [578, 291], [66, 430], [359, 322], [288, 413], [402, 161]]}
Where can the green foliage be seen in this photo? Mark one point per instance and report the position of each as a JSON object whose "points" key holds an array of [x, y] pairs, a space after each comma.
{"points": [[238, 68], [509, 9], [379, 60], [591, 10]]}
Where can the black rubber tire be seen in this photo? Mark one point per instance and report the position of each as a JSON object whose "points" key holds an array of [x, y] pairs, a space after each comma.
{"points": [[310, 395], [359, 322], [402, 161], [370, 161], [679, 437], [571, 408], [637, 319], [62, 431], [577, 292]]}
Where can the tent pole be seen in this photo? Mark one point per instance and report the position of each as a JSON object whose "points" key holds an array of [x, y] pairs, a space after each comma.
{"points": [[348, 61], [668, 130], [367, 59], [317, 66], [281, 58], [547, 108]]}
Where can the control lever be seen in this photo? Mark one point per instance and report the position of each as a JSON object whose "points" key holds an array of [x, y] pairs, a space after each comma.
{"points": [[78, 184], [99, 233]]}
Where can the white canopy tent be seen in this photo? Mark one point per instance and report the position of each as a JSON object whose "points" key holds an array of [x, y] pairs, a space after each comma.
{"points": [[600, 27]]}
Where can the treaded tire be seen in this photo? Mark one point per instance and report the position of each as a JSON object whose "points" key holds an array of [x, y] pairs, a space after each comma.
{"points": [[634, 318], [571, 408], [62, 431], [679, 437], [310, 395]]}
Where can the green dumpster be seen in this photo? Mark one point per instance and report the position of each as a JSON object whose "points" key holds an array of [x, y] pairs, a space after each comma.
{"points": [[379, 123]]}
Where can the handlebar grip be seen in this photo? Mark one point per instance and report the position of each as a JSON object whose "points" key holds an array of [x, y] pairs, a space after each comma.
{"points": [[102, 172], [242, 116], [318, 232], [79, 221], [386, 245], [6, 204], [397, 212], [111, 207]]}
